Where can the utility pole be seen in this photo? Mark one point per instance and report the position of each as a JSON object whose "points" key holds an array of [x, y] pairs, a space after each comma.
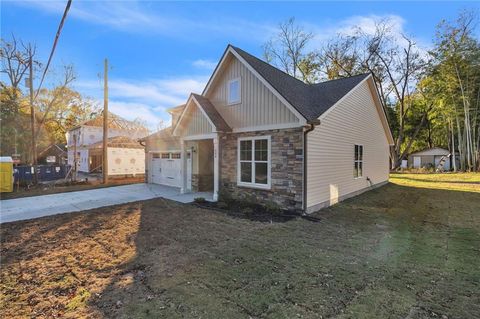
{"points": [[105, 124], [32, 120]]}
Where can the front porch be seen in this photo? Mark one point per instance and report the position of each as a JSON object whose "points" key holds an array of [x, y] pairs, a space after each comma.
{"points": [[200, 165], [199, 128]]}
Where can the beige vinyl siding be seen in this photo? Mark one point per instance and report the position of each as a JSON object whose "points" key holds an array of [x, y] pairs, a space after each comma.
{"points": [[195, 122], [155, 144], [258, 105], [330, 149]]}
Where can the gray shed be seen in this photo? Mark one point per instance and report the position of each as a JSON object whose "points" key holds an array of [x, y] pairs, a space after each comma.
{"points": [[429, 157]]}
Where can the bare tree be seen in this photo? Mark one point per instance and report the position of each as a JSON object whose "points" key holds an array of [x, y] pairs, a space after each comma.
{"points": [[395, 63], [15, 58], [287, 49]]}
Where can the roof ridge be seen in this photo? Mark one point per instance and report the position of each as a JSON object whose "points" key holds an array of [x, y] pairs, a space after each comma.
{"points": [[268, 64], [338, 79], [306, 84]]}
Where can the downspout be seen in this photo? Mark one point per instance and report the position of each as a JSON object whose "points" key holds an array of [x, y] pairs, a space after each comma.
{"points": [[311, 127]]}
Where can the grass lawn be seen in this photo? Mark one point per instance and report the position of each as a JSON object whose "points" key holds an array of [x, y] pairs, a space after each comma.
{"points": [[410, 249], [468, 182]]}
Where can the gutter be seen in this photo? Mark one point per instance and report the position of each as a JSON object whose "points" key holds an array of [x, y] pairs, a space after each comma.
{"points": [[311, 127]]}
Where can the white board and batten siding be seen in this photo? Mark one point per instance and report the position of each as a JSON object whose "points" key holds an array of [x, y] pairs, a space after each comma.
{"points": [[258, 105], [331, 147], [195, 122]]}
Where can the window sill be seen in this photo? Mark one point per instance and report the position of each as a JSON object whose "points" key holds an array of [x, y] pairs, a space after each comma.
{"points": [[234, 103], [254, 186]]}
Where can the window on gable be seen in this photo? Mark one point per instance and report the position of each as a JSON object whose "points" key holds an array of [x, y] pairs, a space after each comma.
{"points": [[358, 162], [234, 91], [254, 162]]}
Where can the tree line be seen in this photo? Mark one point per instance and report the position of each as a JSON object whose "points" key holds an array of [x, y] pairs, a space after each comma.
{"points": [[56, 108], [431, 96]]}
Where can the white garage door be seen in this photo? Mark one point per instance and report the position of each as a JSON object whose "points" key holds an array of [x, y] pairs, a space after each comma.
{"points": [[165, 169]]}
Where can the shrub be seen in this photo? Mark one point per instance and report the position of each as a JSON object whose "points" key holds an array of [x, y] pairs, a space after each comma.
{"points": [[272, 208], [225, 196], [199, 200], [247, 211], [249, 200], [222, 205]]}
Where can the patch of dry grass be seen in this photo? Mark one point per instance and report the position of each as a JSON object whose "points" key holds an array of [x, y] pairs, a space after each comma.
{"points": [[393, 252], [467, 182]]}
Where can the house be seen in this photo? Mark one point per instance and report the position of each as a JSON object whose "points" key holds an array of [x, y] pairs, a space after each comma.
{"points": [[260, 133], [430, 158], [125, 155], [53, 154]]}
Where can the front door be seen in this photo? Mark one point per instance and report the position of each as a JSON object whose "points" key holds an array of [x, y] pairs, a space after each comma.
{"points": [[189, 171]]}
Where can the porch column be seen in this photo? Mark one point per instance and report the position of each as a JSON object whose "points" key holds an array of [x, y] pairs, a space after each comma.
{"points": [[183, 189], [216, 167]]}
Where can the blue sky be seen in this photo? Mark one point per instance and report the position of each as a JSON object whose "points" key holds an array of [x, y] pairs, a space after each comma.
{"points": [[161, 51]]}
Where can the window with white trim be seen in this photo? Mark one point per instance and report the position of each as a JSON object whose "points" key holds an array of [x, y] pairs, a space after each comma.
{"points": [[254, 162], [358, 161], [234, 91]]}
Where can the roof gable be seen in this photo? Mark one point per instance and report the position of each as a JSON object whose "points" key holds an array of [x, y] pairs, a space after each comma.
{"points": [[230, 51], [310, 100], [207, 110]]}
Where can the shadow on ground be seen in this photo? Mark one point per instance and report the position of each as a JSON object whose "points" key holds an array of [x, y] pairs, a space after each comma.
{"points": [[394, 252]]}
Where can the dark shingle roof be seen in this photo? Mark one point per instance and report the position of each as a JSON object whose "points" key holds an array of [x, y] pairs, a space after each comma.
{"points": [[212, 113], [310, 100]]}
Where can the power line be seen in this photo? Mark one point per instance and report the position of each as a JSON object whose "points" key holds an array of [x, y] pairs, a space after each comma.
{"points": [[57, 36]]}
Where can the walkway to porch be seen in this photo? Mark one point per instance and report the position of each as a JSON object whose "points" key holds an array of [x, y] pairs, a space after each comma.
{"points": [[45, 205]]}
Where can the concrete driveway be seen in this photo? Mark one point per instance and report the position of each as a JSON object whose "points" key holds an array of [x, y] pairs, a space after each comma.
{"points": [[39, 206]]}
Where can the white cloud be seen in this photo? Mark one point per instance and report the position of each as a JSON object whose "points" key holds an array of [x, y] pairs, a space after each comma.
{"points": [[204, 64], [127, 15], [350, 25], [133, 110], [147, 100], [141, 17]]}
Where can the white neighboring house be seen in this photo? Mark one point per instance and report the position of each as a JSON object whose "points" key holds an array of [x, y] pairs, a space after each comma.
{"points": [[126, 156], [258, 133]]}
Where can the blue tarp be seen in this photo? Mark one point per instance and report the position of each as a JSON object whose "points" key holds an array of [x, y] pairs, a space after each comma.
{"points": [[45, 172]]}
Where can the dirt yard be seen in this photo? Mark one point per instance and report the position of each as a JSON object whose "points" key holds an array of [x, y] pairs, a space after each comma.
{"points": [[401, 251]]}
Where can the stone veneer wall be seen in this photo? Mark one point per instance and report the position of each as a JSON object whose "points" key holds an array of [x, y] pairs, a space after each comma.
{"points": [[287, 168], [205, 183], [195, 181]]}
